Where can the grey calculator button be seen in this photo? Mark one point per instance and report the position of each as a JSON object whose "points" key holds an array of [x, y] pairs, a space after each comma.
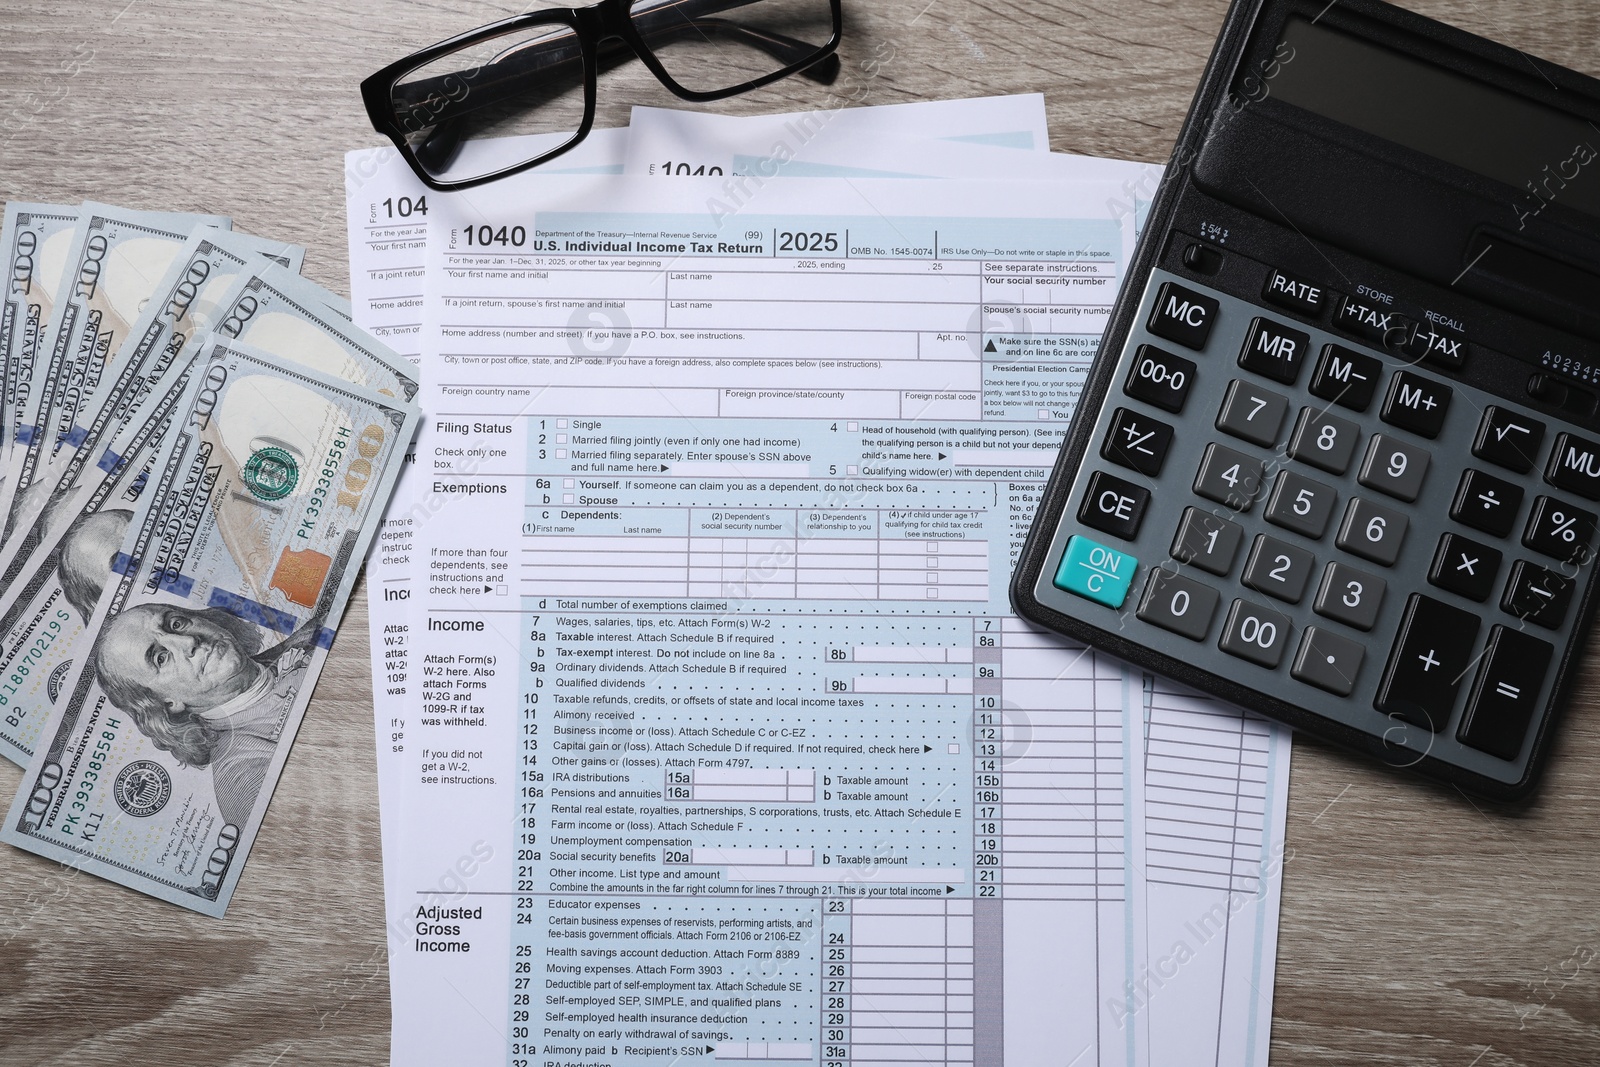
{"points": [[1394, 467], [1349, 596], [1372, 532], [1324, 440], [1279, 569], [1255, 633], [1328, 661], [1300, 504], [1207, 541], [1252, 413], [1179, 604], [1229, 477]]}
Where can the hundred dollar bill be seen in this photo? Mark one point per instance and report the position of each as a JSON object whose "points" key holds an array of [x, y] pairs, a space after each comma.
{"points": [[279, 313], [182, 308], [157, 766], [285, 313], [49, 607], [117, 260], [35, 240]]}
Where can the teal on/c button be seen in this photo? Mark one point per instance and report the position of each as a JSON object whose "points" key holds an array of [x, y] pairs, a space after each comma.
{"points": [[1096, 572]]}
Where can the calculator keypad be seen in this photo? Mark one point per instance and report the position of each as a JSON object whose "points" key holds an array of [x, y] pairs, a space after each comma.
{"points": [[1138, 442], [1394, 467], [1325, 441], [1207, 541], [1229, 477], [1251, 413], [1405, 519], [1372, 531], [1300, 504]]}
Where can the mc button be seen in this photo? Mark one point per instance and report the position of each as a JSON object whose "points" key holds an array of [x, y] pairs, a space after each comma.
{"points": [[1114, 506], [1183, 315]]}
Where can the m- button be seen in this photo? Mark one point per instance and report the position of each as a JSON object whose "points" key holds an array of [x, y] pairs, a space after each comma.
{"points": [[1183, 315], [1114, 506]]}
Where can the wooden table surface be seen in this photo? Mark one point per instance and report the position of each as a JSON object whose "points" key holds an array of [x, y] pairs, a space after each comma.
{"points": [[1418, 927]]}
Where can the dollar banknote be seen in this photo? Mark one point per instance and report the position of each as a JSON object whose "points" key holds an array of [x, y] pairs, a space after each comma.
{"points": [[157, 765], [285, 313], [268, 307], [35, 239], [117, 260], [183, 307], [50, 605]]}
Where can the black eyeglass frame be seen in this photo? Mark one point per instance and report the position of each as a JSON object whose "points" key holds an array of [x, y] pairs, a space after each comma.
{"points": [[594, 26]]}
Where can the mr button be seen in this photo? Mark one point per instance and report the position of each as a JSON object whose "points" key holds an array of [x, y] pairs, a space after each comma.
{"points": [[1114, 506], [1183, 315], [1274, 351]]}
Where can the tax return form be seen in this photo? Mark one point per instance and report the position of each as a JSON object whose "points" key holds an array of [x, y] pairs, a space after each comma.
{"points": [[387, 219], [1216, 779], [715, 657]]}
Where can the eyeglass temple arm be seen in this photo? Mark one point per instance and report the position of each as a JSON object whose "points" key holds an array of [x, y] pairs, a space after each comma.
{"points": [[449, 96]]}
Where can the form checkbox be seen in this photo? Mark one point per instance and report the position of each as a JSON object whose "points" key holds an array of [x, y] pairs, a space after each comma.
{"points": [[561, 438], [852, 427], [569, 483], [561, 424], [852, 470], [955, 750], [568, 498], [561, 453]]}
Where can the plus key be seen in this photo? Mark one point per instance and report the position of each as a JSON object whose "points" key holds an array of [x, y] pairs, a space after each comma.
{"points": [[1431, 655]]}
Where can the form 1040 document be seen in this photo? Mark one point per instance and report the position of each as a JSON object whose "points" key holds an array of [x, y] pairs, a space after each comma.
{"points": [[728, 748]]}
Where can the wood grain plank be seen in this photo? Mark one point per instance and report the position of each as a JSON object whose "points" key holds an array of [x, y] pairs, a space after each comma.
{"points": [[1418, 927]]}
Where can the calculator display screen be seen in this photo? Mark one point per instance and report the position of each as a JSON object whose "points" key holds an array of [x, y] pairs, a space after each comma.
{"points": [[1547, 154]]}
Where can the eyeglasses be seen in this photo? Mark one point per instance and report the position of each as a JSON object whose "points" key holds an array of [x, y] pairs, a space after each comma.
{"points": [[529, 82]]}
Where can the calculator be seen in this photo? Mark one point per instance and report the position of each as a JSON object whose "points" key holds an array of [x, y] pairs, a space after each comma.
{"points": [[1338, 458]]}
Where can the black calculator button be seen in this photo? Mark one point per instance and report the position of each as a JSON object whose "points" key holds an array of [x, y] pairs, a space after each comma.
{"points": [[1537, 595], [1278, 569], [1349, 596], [1506, 693], [1160, 378], [1183, 316], [1374, 323], [1394, 467], [1558, 529], [1202, 259], [1207, 541], [1114, 506], [1431, 654], [1575, 466], [1179, 604], [1297, 503], [1508, 439], [1486, 503], [1137, 442], [1229, 477], [1324, 441], [1252, 413], [1464, 567], [1328, 661], [1372, 532], [1294, 294], [1274, 351], [1346, 377], [1255, 633], [1439, 347], [1416, 403]]}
